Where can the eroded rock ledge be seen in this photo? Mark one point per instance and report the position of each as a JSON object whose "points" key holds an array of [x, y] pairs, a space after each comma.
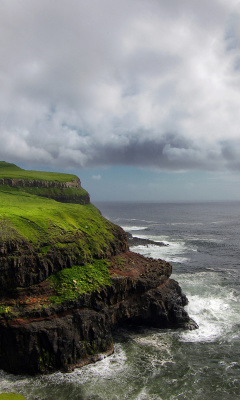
{"points": [[65, 336], [13, 182]]}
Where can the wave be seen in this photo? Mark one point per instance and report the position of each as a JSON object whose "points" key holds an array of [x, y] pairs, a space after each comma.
{"points": [[171, 253], [209, 315], [174, 251], [208, 242], [85, 382], [136, 219], [184, 223], [213, 304], [134, 228], [145, 395]]}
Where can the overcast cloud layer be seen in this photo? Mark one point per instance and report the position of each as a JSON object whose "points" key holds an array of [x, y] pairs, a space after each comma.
{"points": [[150, 83]]}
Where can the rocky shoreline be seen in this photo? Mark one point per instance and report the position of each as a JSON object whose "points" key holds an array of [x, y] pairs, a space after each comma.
{"points": [[62, 337], [136, 241], [104, 284]]}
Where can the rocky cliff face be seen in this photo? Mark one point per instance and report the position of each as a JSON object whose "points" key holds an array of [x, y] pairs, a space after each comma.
{"points": [[78, 332], [23, 264], [64, 192], [41, 240], [14, 182]]}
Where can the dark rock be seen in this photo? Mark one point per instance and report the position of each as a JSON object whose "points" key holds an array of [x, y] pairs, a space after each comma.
{"points": [[37, 336], [23, 265], [78, 332], [136, 241], [76, 183]]}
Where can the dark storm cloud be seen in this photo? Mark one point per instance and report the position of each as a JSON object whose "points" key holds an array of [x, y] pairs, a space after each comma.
{"points": [[146, 83], [171, 152]]}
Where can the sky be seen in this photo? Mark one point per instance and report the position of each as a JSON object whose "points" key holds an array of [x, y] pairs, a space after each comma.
{"points": [[139, 98]]}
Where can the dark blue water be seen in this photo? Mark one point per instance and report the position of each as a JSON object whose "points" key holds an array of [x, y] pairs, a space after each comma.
{"points": [[150, 364]]}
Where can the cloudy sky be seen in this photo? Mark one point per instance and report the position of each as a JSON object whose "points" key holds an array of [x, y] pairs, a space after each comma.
{"points": [[139, 98]]}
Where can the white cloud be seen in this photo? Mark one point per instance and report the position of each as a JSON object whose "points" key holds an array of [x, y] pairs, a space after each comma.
{"points": [[150, 83]]}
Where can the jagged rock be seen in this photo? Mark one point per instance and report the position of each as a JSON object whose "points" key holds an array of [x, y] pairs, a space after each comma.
{"points": [[76, 183], [136, 241], [77, 332], [39, 336], [23, 265]]}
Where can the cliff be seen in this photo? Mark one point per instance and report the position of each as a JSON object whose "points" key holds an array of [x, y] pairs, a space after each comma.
{"points": [[67, 280], [64, 188]]}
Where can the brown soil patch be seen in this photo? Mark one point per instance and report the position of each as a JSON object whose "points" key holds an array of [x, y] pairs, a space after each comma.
{"points": [[132, 264]]}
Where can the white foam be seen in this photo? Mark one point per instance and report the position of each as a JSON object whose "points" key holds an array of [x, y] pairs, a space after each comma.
{"points": [[173, 252], [145, 395], [154, 340], [213, 306], [134, 228], [156, 238], [107, 368], [137, 219], [210, 315]]}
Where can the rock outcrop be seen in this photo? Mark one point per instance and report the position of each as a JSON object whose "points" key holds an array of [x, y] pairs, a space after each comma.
{"points": [[136, 241], [14, 182], [23, 264], [64, 192], [42, 240], [78, 332]]}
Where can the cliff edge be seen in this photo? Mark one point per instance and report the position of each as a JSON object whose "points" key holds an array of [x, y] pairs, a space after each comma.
{"points": [[68, 279]]}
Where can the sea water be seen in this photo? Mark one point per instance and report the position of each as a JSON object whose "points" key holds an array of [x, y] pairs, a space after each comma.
{"points": [[151, 364]]}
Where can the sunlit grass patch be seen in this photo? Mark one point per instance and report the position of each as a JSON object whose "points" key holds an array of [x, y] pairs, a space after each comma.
{"points": [[39, 219], [11, 396], [71, 282]]}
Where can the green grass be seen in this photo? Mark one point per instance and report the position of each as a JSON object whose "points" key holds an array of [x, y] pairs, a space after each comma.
{"points": [[45, 229], [8, 170], [71, 282], [41, 220], [11, 396], [65, 195]]}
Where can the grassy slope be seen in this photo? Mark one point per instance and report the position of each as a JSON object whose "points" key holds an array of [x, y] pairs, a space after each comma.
{"points": [[46, 223], [42, 220], [66, 195], [8, 170], [11, 396]]}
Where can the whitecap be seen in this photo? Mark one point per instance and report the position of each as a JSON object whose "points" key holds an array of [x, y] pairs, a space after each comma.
{"points": [[175, 251], [145, 395], [134, 228], [211, 305], [210, 315], [106, 368]]}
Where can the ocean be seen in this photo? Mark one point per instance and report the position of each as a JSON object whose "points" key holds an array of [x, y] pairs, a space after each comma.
{"points": [[150, 364]]}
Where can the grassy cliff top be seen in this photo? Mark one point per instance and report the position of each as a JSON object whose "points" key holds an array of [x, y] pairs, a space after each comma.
{"points": [[12, 171], [40, 219], [44, 221], [11, 396], [40, 236]]}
